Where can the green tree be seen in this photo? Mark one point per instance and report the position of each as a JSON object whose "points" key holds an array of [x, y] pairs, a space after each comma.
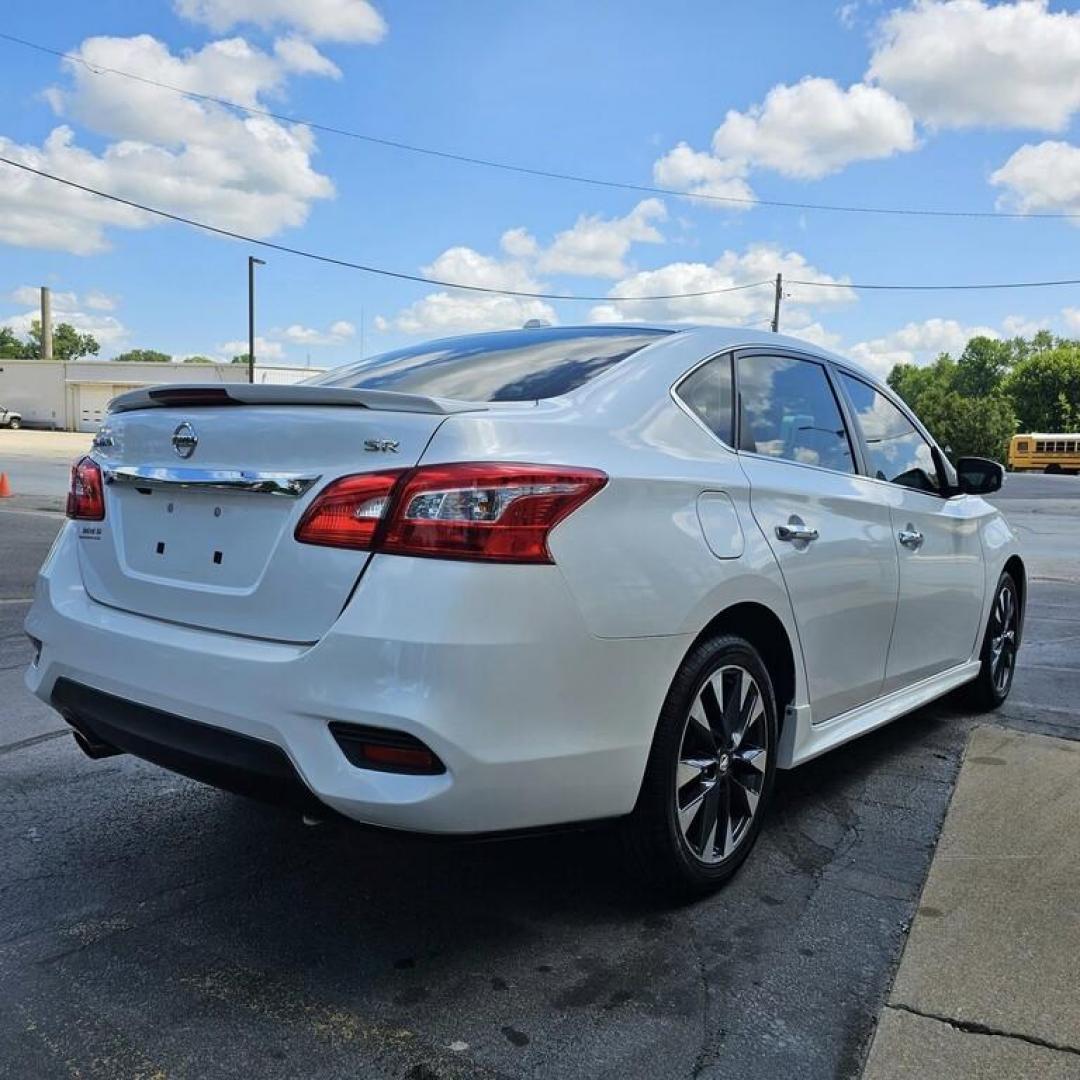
{"points": [[1045, 389], [941, 395], [143, 356], [198, 360], [68, 343], [982, 365], [243, 358], [12, 347]]}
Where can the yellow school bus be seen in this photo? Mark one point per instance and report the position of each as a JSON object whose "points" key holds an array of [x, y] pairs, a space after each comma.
{"points": [[1044, 452]]}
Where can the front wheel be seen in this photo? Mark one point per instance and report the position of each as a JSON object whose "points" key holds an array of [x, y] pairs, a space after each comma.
{"points": [[1000, 645], [710, 772], [14, 424]]}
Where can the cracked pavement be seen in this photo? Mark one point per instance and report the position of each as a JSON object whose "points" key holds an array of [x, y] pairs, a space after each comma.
{"points": [[150, 926]]}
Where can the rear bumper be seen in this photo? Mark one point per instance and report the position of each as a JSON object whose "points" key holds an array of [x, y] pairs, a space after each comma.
{"points": [[213, 755], [538, 722]]}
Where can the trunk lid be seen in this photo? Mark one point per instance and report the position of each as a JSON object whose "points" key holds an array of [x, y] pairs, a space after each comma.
{"points": [[202, 501]]}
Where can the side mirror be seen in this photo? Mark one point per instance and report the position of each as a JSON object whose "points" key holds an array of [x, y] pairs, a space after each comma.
{"points": [[978, 476]]}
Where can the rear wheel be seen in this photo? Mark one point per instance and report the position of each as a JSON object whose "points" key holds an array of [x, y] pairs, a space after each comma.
{"points": [[1000, 645], [710, 772]]}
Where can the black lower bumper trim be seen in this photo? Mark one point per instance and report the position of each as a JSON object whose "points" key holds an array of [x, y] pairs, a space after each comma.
{"points": [[225, 759]]}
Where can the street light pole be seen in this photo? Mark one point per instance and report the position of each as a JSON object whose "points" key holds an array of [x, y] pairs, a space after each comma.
{"points": [[252, 263]]}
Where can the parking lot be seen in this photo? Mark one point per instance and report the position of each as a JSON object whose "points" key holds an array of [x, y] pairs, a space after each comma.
{"points": [[153, 927]]}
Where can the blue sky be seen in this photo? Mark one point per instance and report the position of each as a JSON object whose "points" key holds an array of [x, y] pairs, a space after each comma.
{"points": [[958, 105]]}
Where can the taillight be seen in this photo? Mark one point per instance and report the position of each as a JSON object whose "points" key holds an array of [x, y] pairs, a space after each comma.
{"points": [[86, 498], [349, 511], [496, 513], [472, 510]]}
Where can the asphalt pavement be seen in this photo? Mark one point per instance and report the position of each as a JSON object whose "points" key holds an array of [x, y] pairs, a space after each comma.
{"points": [[150, 926]]}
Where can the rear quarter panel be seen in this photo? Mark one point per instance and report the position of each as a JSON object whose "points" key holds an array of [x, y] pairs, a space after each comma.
{"points": [[635, 556]]}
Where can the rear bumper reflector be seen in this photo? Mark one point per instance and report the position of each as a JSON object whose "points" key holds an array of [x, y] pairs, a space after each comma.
{"points": [[385, 750]]}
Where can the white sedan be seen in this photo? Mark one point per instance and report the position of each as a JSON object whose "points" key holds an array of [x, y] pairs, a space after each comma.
{"points": [[524, 579]]}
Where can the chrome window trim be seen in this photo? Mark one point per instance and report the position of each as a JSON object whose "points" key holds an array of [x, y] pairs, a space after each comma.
{"points": [[901, 407], [854, 446], [673, 393], [289, 485]]}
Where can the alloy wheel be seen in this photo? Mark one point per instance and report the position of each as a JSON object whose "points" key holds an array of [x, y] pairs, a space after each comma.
{"points": [[722, 762], [1003, 639]]}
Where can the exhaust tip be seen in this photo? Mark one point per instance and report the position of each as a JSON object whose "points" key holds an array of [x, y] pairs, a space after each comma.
{"points": [[93, 747]]}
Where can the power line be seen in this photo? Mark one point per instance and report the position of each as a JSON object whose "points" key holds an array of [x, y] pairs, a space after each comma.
{"points": [[441, 283], [547, 174], [935, 288], [381, 271]]}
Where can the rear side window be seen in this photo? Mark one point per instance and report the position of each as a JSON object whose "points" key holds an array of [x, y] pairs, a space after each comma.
{"points": [[895, 450], [514, 365], [707, 394], [787, 409]]}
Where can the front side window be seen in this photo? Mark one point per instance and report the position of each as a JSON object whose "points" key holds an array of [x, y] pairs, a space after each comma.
{"points": [[511, 365], [707, 394], [895, 450], [787, 409]]}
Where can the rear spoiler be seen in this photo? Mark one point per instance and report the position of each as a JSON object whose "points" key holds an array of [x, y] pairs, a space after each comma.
{"points": [[208, 394]]}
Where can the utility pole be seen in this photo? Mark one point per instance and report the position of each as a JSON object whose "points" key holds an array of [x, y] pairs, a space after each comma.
{"points": [[252, 263], [776, 303], [46, 323]]}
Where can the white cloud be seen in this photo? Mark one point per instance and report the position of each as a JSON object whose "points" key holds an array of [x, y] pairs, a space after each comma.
{"points": [[1023, 326], [457, 313], [265, 349], [338, 333], [303, 58], [1043, 177], [847, 15], [30, 296], [325, 20], [805, 131], [1071, 315], [915, 343], [250, 174], [747, 306], [109, 331], [99, 301], [519, 243], [698, 172], [965, 62], [594, 246], [451, 311], [815, 128], [597, 246]]}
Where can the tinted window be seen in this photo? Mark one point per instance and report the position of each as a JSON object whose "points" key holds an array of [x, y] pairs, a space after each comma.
{"points": [[707, 393], [787, 409], [515, 365], [895, 450]]}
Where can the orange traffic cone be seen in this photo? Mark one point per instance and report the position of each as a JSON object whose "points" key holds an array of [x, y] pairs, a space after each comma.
{"points": [[5, 487]]}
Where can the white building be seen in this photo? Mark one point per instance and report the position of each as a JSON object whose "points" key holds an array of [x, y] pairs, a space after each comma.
{"points": [[74, 396]]}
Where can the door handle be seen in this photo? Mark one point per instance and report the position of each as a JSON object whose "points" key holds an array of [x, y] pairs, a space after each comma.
{"points": [[910, 538], [792, 533]]}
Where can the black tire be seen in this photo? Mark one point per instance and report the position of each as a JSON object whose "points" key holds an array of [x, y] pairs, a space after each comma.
{"points": [[991, 686], [14, 424], [674, 852]]}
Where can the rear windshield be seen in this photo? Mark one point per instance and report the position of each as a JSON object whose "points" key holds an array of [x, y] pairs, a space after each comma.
{"points": [[513, 365]]}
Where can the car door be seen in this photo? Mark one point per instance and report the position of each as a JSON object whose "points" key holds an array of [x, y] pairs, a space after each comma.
{"points": [[829, 528], [942, 577]]}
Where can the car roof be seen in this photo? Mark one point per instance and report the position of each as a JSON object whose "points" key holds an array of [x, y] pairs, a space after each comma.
{"points": [[715, 338]]}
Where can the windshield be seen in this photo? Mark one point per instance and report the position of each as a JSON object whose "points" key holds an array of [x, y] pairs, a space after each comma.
{"points": [[512, 365]]}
